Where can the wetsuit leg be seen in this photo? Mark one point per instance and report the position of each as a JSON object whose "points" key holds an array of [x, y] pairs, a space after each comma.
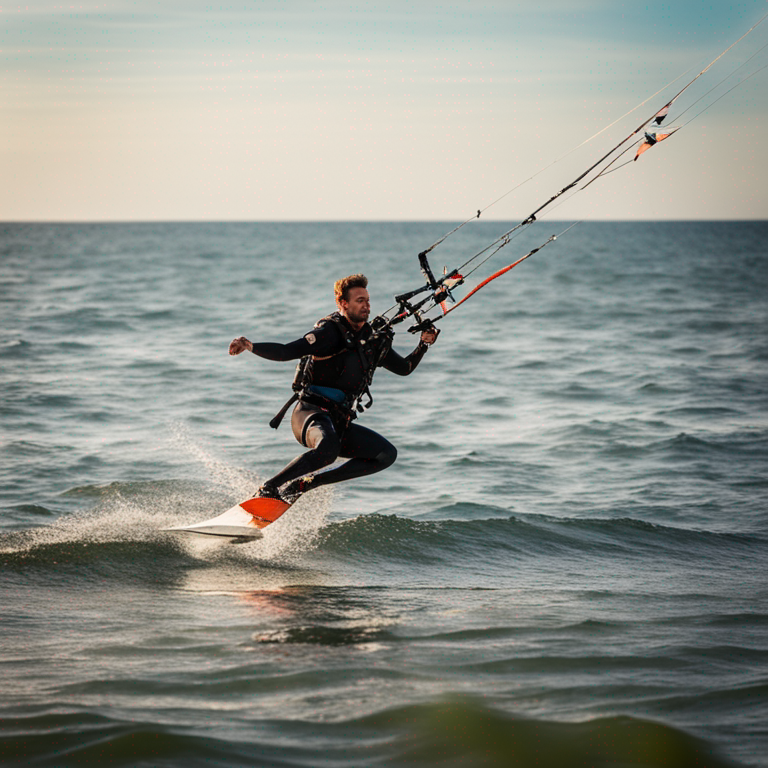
{"points": [[368, 452], [311, 427]]}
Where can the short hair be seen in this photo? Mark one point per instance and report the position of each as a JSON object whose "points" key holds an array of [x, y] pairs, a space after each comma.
{"points": [[341, 287]]}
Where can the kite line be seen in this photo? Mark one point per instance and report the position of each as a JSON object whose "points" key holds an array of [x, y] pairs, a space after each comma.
{"points": [[439, 290]]}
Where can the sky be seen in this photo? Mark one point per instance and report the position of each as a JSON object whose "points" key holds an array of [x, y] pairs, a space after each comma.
{"points": [[185, 110]]}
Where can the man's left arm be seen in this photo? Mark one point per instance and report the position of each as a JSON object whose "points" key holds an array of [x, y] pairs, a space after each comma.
{"points": [[403, 366]]}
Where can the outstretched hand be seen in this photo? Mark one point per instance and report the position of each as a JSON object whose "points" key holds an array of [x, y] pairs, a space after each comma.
{"points": [[240, 345]]}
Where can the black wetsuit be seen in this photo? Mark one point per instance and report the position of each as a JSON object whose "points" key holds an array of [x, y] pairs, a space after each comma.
{"points": [[340, 371]]}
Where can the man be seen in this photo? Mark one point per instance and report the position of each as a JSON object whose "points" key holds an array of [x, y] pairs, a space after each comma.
{"points": [[339, 357]]}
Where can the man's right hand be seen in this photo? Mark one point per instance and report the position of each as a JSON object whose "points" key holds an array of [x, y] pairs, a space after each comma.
{"points": [[240, 345]]}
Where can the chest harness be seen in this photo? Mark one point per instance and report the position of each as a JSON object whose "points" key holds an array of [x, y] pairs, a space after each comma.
{"points": [[371, 352]]}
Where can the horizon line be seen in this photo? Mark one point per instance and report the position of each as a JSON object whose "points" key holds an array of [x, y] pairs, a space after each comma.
{"points": [[368, 221]]}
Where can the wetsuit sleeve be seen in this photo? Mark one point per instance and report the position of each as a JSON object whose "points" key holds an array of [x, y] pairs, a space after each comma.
{"points": [[273, 351], [319, 341], [403, 366]]}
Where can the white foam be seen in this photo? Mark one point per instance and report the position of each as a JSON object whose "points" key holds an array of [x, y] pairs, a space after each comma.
{"points": [[240, 482], [139, 511], [115, 518], [297, 531]]}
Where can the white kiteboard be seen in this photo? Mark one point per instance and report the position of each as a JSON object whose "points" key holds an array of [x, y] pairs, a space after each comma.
{"points": [[243, 521]]}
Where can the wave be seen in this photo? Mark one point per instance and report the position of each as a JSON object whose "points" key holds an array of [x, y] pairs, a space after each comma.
{"points": [[448, 732], [122, 534], [525, 536], [125, 528], [86, 739]]}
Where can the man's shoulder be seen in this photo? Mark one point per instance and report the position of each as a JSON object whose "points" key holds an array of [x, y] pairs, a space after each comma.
{"points": [[334, 319], [333, 325], [328, 331]]}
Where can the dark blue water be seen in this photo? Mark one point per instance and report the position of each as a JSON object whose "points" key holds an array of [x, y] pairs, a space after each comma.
{"points": [[565, 567]]}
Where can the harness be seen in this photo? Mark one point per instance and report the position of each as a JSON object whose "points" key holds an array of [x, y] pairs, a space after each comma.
{"points": [[371, 351]]}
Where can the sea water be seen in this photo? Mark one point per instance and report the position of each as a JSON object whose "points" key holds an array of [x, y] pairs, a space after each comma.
{"points": [[566, 566]]}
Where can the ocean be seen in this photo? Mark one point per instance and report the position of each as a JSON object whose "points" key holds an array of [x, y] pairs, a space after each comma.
{"points": [[566, 566]]}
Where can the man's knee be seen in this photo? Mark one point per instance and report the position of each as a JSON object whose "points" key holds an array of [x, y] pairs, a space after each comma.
{"points": [[387, 456]]}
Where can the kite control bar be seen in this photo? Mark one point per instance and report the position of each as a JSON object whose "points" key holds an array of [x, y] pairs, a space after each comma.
{"points": [[438, 293]]}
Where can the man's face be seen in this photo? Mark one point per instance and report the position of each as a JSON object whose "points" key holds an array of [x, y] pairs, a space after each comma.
{"points": [[358, 307]]}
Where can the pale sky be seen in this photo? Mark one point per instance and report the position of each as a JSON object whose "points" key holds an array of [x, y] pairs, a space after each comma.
{"points": [[302, 110]]}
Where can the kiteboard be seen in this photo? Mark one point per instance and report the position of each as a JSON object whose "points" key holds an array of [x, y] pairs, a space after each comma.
{"points": [[243, 521]]}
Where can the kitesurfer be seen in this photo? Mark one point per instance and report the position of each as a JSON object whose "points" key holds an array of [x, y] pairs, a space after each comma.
{"points": [[338, 359]]}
